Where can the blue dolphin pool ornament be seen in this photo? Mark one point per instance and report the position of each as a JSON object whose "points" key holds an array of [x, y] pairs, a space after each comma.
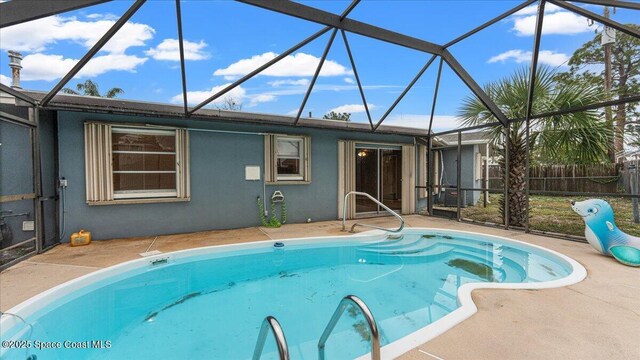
{"points": [[603, 234]]}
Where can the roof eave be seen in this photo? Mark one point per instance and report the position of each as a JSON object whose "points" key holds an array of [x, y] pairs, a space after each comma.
{"points": [[150, 109]]}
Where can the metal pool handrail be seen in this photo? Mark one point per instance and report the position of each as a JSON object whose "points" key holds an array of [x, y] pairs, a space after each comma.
{"points": [[278, 334], [373, 327], [344, 213]]}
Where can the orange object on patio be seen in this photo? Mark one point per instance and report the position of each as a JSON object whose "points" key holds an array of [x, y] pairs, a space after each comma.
{"points": [[80, 238]]}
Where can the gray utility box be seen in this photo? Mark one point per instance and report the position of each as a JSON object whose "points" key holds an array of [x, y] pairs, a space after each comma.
{"points": [[451, 198]]}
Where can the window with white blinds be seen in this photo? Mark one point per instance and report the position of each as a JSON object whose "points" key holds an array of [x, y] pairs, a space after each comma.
{"points": [[287, 159], [134, 164]]}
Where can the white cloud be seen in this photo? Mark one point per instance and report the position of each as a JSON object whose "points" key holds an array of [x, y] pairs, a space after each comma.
{"points": [[196, 97], [106, 16], [299, 64], [274, 94], [518, 56], [260, 98], [51, 67], [562, 23], [37, 35], [349, 80], [238, 93], [251, 100], [553, 58], [420, 121], [533, 9], [5, 80], [352, 108], [169, 49], [548, 57], [299, 82]]}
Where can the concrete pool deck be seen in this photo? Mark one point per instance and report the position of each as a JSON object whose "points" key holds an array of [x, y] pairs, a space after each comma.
{"points": [[598, 318]]}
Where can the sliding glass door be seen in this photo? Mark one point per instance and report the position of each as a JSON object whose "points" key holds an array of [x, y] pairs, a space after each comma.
{"points": [[379, 174]]}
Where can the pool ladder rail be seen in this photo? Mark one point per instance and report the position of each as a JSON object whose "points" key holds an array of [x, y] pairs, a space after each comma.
{"points": [[281, 341], [344, 213], [270, 322], [373, 327]]}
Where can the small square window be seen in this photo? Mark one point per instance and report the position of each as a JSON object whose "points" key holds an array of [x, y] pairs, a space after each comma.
{"points": [[287, 158], [290, 158]]}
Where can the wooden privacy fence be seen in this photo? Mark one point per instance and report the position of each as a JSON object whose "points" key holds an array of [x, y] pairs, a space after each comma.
{"points": [[594, 178]]}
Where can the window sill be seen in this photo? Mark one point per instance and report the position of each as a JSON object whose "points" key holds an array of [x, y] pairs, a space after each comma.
{"points": [[137, 201], [288, 182]]}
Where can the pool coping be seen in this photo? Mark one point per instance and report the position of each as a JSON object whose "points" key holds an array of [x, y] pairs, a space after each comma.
{"points": [[395, 349]]}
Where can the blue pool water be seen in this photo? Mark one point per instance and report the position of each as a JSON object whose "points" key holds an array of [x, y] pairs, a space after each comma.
{"points": [[211, 305]]}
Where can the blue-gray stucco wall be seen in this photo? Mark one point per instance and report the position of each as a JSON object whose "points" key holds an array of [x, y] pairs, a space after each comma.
{"points": [[220, 197], [468, 173]]}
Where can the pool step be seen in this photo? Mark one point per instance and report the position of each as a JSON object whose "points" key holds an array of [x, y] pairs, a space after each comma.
{"points": [[505, 269], [401, 249], [390, 244]]}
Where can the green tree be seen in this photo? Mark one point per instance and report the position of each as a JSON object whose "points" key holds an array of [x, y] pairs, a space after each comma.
{"points": [[580, 137], [632, 135], [89, 88], [587, 64], [344, 116]]}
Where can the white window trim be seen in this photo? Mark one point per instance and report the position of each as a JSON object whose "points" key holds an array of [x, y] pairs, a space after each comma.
{"points": [[301, 155], [151, 193], [271, 160], [144, 194]]}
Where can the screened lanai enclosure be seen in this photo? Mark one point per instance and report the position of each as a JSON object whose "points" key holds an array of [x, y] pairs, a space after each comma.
{"points": [[518, 150]]}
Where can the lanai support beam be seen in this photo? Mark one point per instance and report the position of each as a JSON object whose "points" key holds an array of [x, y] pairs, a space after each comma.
{"points": [[94, 50], [259, 70], [17, 94], [530, 99], [315, 76], [355, 74], [183, 72], [435, 97], [17, 12], [490, 22], [312, 14], [405, 91], [596, 17], [613, 3], [345, 13], [474, 87], [622, 100]]}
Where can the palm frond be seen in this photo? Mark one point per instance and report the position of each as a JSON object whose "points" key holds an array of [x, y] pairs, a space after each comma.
{"points": [[113, 92]]}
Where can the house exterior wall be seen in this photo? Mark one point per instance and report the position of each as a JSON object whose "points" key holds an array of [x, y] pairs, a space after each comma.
{"points": [[468, 177], [220, 197]]}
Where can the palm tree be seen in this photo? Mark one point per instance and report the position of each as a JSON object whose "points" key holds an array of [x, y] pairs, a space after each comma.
{"points": [[578, 138], [89, 88]]}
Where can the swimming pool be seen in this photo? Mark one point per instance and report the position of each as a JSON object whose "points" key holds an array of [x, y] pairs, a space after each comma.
{"points": [[210, 302]]}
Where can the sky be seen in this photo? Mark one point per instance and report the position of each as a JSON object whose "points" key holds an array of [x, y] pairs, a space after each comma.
{"points": [[225, 40]]}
